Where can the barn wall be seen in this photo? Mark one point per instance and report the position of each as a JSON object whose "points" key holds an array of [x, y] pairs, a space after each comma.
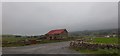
{"points": [[64, 35]]}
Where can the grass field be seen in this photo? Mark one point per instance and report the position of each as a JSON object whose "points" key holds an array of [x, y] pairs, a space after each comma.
{"points": [[112, 52], [0, 41], [112, 40], [14, 39]]}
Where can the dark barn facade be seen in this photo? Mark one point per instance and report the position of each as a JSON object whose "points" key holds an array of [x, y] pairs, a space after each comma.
{"points": [[57, 34]]}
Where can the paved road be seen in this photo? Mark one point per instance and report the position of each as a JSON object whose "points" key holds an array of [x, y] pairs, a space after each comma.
{"points": [[50, 48]]}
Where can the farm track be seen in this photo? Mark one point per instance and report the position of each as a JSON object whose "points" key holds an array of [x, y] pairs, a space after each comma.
{"points": [[49, 48]]}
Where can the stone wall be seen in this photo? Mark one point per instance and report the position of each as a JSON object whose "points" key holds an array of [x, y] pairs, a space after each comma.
{"points": [[87, 45]]}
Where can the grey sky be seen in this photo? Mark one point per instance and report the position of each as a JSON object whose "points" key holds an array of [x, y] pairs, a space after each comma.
{"points": [[30, 18], [0, 18]]}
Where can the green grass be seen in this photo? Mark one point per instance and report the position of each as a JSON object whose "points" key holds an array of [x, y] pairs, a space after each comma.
{"points": [[113, 52], [0, 41], [83, 51], [112, 40], [50, 41], [105, 40], [14, 39]]}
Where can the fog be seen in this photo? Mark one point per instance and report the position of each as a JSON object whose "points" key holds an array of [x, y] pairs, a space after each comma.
{"points": [[36, 18]]}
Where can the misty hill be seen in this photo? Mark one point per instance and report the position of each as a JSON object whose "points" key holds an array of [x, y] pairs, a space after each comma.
{"points": [[94, 32]]}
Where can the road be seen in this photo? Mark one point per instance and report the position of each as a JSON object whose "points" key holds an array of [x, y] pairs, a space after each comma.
{"points": [[49, 48]]}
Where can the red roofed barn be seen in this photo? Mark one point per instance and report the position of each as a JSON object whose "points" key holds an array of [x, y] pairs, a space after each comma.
{"points": [[57, 34]]}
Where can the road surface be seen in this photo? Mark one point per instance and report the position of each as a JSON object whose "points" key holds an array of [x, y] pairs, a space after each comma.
{"points": [[49, 48]]}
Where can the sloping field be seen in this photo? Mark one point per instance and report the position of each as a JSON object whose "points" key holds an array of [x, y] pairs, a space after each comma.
{"points": [[13, 39], [112, 40]]}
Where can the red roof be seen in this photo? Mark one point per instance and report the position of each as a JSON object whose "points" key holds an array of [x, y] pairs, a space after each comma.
{"points": [[58, 31]]}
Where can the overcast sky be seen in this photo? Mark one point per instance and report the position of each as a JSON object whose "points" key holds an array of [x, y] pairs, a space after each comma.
{"points": [[36, 18]]}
